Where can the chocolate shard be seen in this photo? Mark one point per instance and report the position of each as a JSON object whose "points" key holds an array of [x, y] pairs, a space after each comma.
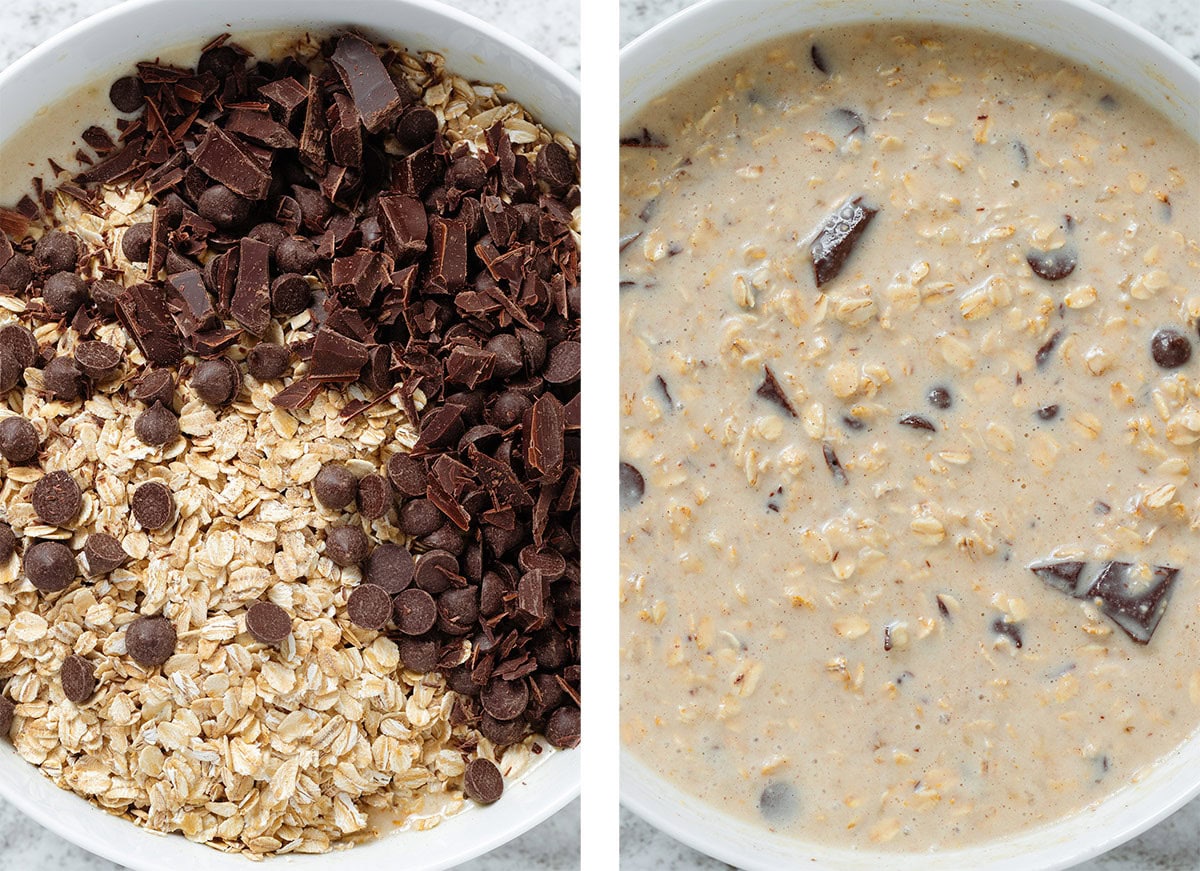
{"points": [[345, 134], [375, 96], [315, 135], [834, 244], [499, 479], [469, 366], [1062, 576], [771, 390], [142, 308], [191, 304], [223, 159], [287, 95], [251, 303], [258, 126], [449, 267], [298, 394], [835, 465], [531, 599], [355, 279], [545, 427], [1043, 353], [1134, 600], [337, 358], [158, 243], [405, 227], [122, 164]]}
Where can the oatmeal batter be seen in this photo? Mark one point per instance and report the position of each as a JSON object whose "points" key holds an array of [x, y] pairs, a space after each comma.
{"points": [[910, 408]]}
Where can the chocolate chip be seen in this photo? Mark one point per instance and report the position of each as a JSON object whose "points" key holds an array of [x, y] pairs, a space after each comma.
{"points": [[268, 623], [770, 389], [390, 567], [135, 242], [563, 364], [290, 294], [103, 553], [369, 606], [157, 385], [1047, 412], [374, 496], [156, 426], [153, 505], [632, 485], [296, 254], [416, 127], [49, 565], [8, 542], [150, 640], [407, 475], [414, 611], [57, 498], [458, 609], [503, 733], [1043, 353], [97, 359], [1052, 265], [7, 709], [433, 571], [838, 238], [216, 381], [221, 61], [563, 728], [64, 293], [419, 517], [554, 166], [268, 232], [505, 699], [16, 273], [10, 371], [418, 654], [916, 421], [506, 349], [62, 379], [335, 486], [18, 341], [78, 679], [126, 94], [19, 440], [466, 174], [508, 409], [818, 59], [223, 207], [268, 361], [56, 252], [778, 802], [483, 782], [1170, 349], [346, 545]]}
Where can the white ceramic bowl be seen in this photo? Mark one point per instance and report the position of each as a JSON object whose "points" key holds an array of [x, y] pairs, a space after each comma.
{"points": [[1082, 31], [107, 45]]}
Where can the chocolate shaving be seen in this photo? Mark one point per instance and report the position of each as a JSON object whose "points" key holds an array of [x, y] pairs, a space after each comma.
{"points": [[251, 302]]}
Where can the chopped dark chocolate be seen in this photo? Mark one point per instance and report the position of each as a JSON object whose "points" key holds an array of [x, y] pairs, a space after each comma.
{"points": [[225, 160], [770, 389], [1047, 348], [371, 87], [837, 238], [251, 303], [1052, 265], [834, 464]]}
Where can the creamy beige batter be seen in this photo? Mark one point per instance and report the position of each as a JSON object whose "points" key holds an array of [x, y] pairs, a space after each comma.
{"points": [[829, 624]]}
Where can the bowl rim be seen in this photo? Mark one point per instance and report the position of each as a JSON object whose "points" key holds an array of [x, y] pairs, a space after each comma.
{"points": [[703, 826], [556, 789]]}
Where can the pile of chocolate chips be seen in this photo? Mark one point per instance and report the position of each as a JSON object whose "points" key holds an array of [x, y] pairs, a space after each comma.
{"points": [[436, 269]]}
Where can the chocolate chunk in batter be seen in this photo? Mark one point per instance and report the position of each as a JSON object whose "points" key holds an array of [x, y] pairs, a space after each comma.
{"points": [[771, 390], [1063, 576], [1047, 412], [1011, 631], [1044, 352], [818, 59], [778, 801], [939, 397], [834, 464], [916, 421], [1170, 349], [1052, 265], [1137, 609], [633, 486], [837, 239]]}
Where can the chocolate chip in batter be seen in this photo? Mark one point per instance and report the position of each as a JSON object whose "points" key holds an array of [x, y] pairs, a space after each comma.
{"points": [[939, 397], [1047, 412], [1134, 604], [916, 421], [126, 94], [150, 640], [1047, 348], [1170, 349], [633, 486], [818, 58], [57, 498], [778, 802], [834, 464], [482, 781], [1052, 265], [1011, 631], [1062, 576], [770, 389], [837, 239]]}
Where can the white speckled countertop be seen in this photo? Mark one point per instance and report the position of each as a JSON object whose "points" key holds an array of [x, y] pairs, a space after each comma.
{"points": [[553, 845], [1174, 844]]}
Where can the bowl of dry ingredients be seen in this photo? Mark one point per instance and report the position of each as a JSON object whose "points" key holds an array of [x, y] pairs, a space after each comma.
{"points": [[911, 378], [289, 435]]}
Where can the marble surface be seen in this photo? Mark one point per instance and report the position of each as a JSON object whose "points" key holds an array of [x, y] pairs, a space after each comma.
{"points": [[550, 26], [1174, 844]]}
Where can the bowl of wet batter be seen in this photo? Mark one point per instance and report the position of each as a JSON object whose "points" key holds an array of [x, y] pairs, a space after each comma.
{"points": [[910, 408]]}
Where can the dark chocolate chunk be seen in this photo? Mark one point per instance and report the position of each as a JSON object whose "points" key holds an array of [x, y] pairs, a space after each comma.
{"points": [[337, 358], [448, 269], [335, 486], [375, 496], [97, 359], [150, 641], [56, 252], [1134, 603], [834, 464], [837, 239], [190, 300], [1044, 352], [1047, 412], [268, 361], [1052, 265], [778, 802], [153, 505], [226, 161], [7, 712], [505, 699], [418, 654], [770, 389], [143, 311], [216, 381], [916, 421], [16, 273], [103, 294], [366, 78], [62, 379], [1062, 576], [633, 486], [563, 728], [818, 59], [346, 545], [78, 679], [251, 303], [19, 342], [49, 565], [223, 207], [126, 94], [483, 782], [1011, 631], [156, 426], [416, 127], [407, 474], [103, 553], [135, 243], [544, 430], [369, 606], [268, 623], [390, 567], [258, 126], [1170, 349], [157, 385], [414, 611], [57, 499], [19, 441]]}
